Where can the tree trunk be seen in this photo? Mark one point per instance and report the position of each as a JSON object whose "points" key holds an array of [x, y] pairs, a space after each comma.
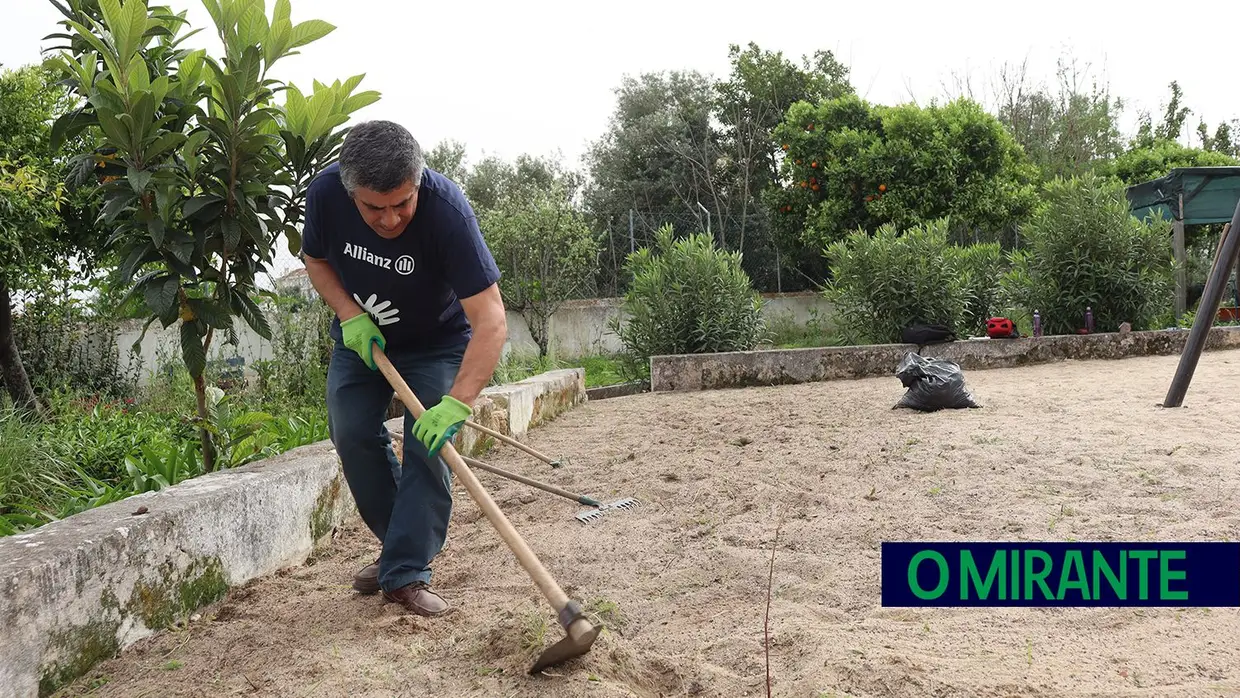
{"points": [[14, 372], [208, 447], [539, 324]]}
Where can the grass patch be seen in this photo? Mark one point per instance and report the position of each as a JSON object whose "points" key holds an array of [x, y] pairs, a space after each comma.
{"points": [[784, 332], [601, 370]]}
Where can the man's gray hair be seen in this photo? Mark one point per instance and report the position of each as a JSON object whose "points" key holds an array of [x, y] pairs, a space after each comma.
{"points": [[380, 156]]}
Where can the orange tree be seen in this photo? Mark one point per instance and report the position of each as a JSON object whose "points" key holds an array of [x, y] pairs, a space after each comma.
{"points": [[204, 168], [850, 165]]}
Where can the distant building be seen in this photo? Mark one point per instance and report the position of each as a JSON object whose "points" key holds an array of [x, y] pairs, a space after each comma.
{"points": [[296, 282]]}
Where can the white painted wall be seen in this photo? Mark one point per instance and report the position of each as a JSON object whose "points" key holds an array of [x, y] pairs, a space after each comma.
{"points": [[579, 328]]}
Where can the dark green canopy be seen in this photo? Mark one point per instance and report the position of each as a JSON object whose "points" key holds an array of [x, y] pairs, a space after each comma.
{"points": [[1210, 195]]}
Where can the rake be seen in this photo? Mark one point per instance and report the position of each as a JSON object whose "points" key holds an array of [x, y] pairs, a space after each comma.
{"points": [[590, 515]]}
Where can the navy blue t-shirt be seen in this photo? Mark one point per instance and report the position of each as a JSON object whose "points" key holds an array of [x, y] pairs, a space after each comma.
{"points": [[410, 285]]}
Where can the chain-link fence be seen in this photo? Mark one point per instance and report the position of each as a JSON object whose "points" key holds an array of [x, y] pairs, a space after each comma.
{"points": [[773, 264]]}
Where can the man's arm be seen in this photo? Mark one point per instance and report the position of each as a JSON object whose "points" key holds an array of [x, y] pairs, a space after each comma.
{"points": [[485, 312], [327, 283]]}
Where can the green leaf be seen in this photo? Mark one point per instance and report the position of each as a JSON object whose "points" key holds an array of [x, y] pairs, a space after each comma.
{"points": [[65, 10], [139, 179], [309, 31], [96, 43], [211, 312], [143, 115], [114, 128], [194, 142], [360, 100], [283, 11], [252, 30], [160, 87], [138, 75], [192, 352], [164, 143], [114, 20], [230, 229], [294, 240], [116, 204], [137, 257], [137, 343], [137, 20], [249, 311], [195, 204], [161, 293], [70, 125], [189, 71], [213, 9], [156, 228]]}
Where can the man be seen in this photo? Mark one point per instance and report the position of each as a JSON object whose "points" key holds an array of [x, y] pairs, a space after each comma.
{"points": [[395, 249]]}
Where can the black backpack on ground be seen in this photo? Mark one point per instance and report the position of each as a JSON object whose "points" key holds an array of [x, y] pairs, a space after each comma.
{"points": [[921, 335]]}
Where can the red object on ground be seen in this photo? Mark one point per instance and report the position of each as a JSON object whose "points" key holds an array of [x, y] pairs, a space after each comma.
{"points": [[999, 328]]}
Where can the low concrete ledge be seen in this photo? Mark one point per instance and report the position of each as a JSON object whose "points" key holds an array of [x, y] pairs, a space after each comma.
{"points": [[980, 354], [783, 366], [772, 367], [78, 591], [606, 392], [538, 399]]}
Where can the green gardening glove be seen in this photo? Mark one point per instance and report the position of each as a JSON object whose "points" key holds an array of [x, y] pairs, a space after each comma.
{"points": [[439, 424], [361, 334]]}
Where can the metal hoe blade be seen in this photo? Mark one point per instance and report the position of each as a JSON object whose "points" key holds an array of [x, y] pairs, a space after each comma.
{"points": [[599, 512], [566, 649]]}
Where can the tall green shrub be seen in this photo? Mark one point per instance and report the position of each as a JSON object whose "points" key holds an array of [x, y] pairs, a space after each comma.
{"points": [[1083, 249], [983, 266], [687, 297], [882, 283]]}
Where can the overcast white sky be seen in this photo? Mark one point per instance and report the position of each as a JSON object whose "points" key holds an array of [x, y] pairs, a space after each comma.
{"points": [[538, 76]]}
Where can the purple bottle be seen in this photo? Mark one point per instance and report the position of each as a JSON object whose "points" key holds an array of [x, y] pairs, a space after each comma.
{"points": [[1037, 324], [1089, 320]]}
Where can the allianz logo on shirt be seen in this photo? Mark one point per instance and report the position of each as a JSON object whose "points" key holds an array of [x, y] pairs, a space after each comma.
{"points": [[403, 264]]}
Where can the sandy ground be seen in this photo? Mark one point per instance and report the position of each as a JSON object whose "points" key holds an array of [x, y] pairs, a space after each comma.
{"points": [[1058, 452]]}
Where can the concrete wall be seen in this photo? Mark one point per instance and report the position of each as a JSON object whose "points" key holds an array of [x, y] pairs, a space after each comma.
{"points": [[80, 590], [775, 367], [579, 328]]}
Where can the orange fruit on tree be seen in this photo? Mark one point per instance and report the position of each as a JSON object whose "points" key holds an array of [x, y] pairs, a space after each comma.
{"points": [[882, 187]]}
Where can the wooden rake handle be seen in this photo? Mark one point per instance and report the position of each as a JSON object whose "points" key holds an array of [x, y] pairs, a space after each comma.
{"points": [[575, 624], [512, 442]]}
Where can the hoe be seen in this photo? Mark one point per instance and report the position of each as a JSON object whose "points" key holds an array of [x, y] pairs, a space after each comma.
{"points": [[580, 633]]}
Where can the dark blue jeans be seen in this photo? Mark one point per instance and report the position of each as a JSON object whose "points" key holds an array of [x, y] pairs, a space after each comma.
{"points": [[407, 508]]}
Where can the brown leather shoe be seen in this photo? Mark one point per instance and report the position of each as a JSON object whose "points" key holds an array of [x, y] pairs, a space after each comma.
{"points": [[366, 580], [419, 599]]}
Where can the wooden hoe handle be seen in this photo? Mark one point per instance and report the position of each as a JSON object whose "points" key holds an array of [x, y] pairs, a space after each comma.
{"points": [[569, 613]]}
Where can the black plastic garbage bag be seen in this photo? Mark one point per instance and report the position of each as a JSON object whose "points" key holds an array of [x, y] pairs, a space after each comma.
{"points": [[933, 384]]}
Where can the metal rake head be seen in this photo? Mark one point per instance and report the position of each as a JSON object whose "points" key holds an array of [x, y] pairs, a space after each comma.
{"points": [[597, 513]]}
